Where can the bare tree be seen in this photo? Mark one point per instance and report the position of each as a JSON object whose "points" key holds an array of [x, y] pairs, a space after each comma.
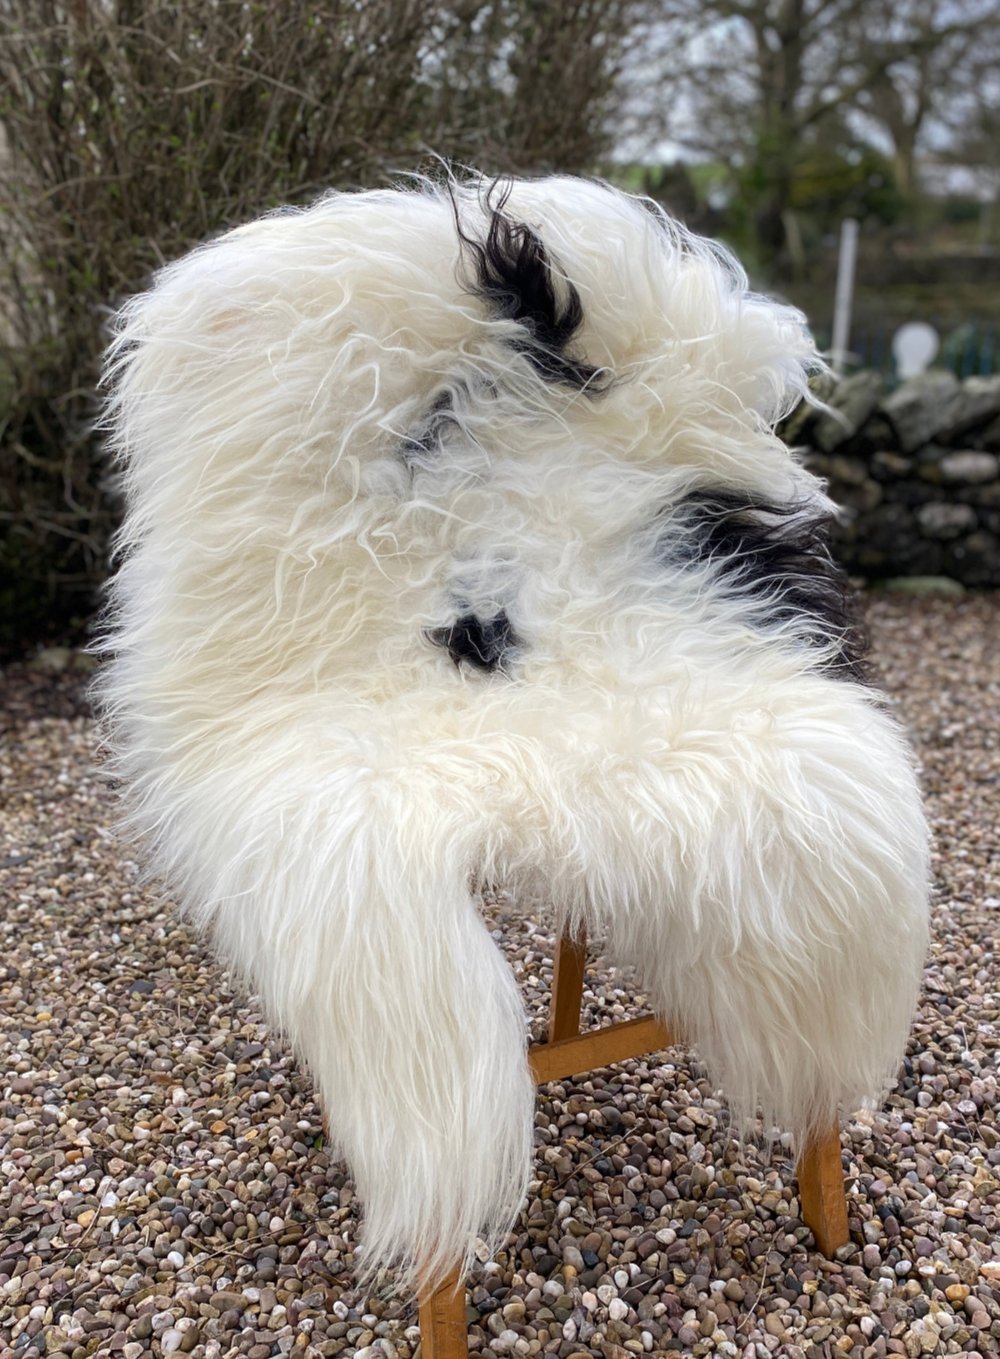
{"points": [[134, 128], [934, 57], [752, 82], [975, 149], [535, 85]]}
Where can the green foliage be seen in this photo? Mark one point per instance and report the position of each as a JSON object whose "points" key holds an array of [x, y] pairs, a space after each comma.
{"points": [[832, 183], [961, 211]]}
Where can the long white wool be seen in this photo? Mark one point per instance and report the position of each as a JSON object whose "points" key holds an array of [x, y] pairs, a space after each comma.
{"points": [[665, 758]]}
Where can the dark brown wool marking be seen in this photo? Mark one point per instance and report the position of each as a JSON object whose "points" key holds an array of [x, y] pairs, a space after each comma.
{"points": [[778, 554], [513, 274], [486, 643], [426, 439]]}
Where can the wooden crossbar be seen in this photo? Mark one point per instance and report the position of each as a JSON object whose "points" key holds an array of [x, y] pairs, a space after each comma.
{"points": [[570, 1053], [597, 1048]]}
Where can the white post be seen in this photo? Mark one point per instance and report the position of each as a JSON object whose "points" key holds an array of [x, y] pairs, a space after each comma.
{"points": [[845, 293]]}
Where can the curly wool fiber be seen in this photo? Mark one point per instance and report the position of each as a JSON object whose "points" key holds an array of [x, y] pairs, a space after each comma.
{"points": [[460, 549]]}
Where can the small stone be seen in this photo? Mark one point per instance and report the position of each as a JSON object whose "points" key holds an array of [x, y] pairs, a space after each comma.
{"points": [[924, 585], [940, 519], [52, 660], [224, 1301], [887, 465], [774, 1324], [970, 468], [848, 471]]}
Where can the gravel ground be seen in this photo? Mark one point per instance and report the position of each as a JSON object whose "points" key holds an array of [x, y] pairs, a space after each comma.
{"points": [[164, 1185]]}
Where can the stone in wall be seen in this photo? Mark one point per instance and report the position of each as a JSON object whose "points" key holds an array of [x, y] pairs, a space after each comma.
{"points": [[916, 472], [976, 404], [990, 436], [943, 520], [852, 403], [915, 409], [970, 467]]}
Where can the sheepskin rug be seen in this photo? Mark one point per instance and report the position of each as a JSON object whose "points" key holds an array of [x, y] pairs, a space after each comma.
{"points": [[460, 550]]}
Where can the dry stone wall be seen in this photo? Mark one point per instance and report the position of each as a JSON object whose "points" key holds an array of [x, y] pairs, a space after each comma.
{"points": [[916, 470]]}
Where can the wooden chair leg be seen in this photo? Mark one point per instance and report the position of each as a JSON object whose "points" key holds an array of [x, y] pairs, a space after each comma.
{"points": [[443, 1329], [821, 1190], [567, 986]]}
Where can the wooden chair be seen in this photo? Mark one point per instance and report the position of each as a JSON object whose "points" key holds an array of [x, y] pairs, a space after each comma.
{"points": [[569, 1052]]}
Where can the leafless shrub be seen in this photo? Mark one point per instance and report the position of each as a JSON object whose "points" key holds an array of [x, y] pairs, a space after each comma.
{"points": [[134, 128]]}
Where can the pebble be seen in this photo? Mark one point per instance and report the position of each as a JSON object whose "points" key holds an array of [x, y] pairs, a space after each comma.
{"points": [[164, 1180], [224, 1302], [774, 1324]]}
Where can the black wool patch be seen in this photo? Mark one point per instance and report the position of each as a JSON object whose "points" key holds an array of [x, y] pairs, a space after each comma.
{"points": [[426, 439], [513, 275], [778, 554], [485, 643]]}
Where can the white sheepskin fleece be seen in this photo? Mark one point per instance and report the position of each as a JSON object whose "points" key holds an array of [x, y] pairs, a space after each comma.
{"points": [[333, 445]]}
